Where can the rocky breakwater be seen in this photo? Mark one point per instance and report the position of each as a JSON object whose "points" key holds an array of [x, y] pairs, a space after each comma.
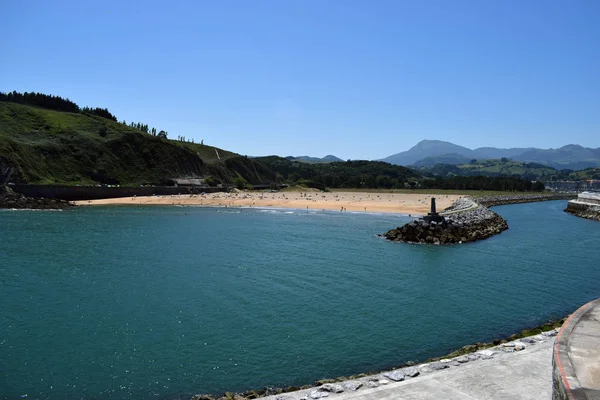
{"points": [[592, 213], [490, 201], [464, 221], [12, 200]]}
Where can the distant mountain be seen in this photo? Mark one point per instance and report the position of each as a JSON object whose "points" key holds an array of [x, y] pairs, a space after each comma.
{"points": [[427, 148], [453, 159], [495, 153], [431, 152], [571, 156], [315, 160]]}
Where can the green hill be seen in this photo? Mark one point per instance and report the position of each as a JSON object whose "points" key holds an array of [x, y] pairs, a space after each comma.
{"points": [[344, 174], [584, 174], [503, 167], [39, 145]]}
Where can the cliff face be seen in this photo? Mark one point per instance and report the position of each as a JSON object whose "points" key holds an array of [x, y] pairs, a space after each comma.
{"points": [[468, 221]]}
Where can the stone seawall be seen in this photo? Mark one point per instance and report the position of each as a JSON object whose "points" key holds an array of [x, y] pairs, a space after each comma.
{"points": [[592, 214], [490, 201], [465, 221], [583, 210], [11, 200]]}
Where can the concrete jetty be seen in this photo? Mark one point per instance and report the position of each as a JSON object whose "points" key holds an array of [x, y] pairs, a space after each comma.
{"points": [[561, 364], [587, 205], [521, 369]]}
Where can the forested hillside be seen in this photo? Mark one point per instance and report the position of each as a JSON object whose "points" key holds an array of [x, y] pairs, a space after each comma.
{"points": [[501, 167], [345, 174], [39, 145]]}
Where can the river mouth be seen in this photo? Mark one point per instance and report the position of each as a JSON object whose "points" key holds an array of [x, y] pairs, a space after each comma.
{"points": [[146, 302]]}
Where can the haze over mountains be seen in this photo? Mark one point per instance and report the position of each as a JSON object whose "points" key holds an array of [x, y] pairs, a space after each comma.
{"points": [[431, 152]]}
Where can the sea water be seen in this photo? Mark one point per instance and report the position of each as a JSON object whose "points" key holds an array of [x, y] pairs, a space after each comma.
{"points": [[165, 302]]}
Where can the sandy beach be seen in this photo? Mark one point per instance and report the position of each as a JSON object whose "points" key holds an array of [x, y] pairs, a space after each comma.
{"points": [[404, 203]]}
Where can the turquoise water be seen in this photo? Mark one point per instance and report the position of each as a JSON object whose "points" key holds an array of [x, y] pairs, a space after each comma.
{"points": [[157, 303]]}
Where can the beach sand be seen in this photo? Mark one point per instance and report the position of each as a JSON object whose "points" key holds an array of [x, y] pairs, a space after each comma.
{"points": [[404, 203]]}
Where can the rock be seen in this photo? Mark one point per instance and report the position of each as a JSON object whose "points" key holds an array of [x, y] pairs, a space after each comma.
{"points": [[317, 394], [486, 353], [324, 381], [550, 333], [435, 366], [10, 199], [373, 383], [353, 385], [528, 340], [332, 387], [462, 359], [384, 381], [473, 357], [466, 226], [519, 347], [410, 371], [423, 369], [396, 375]]}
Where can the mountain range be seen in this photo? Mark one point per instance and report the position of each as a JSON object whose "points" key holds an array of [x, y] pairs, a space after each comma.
{"points": [[431, 152]]}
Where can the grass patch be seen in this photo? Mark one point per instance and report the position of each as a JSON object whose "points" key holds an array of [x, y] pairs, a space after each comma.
{"points": [[43, 146]]}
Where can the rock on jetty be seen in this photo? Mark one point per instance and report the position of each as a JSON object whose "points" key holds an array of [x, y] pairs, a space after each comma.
{"points": [[592, 213], [10, 199], [490, 201], [464, 221]]}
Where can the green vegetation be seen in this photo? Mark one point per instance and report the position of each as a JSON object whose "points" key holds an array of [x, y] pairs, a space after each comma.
{"points": [[583, 175], [501, 167], [500, 183], [39, 145], [348, 174], [379, 175]]}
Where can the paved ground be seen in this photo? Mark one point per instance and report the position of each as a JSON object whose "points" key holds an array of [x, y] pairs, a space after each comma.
{"points": [[579, 352], [499, 373]]}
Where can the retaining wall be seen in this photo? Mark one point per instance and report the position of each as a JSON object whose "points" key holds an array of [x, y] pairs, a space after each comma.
{"points": [[72, 193], [576, 356]]}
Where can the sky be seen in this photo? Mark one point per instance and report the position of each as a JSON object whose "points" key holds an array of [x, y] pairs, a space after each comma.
{"points": [[357, 79]]}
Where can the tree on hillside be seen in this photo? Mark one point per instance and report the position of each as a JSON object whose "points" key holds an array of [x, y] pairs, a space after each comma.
{"points": [[41, 100], [162, 134], [100, 112]]}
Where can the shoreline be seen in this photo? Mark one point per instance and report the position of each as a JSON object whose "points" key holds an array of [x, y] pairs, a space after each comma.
{"points": [[515, 342], [409, 204], [357, 202]]}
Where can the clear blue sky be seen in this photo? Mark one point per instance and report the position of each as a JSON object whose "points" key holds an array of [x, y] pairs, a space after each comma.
{"points": [[358, 79]]}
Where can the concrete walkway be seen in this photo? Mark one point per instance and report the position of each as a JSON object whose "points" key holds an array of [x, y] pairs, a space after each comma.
{"points": [[577, 355], [518, 370]]}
